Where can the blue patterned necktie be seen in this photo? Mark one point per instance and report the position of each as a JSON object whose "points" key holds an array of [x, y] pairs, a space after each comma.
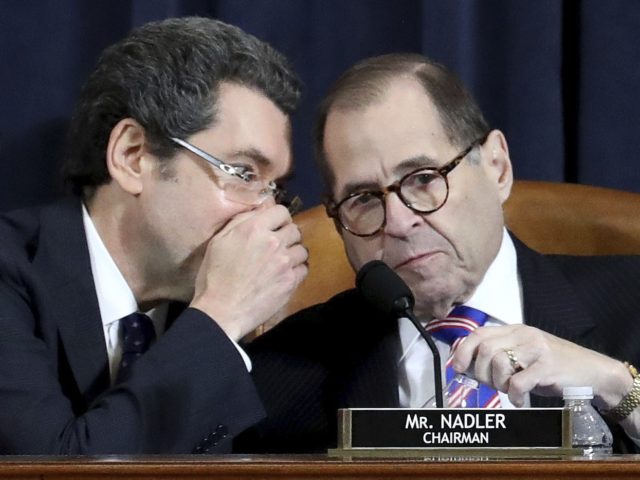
{"points": [[452, 330], [137, 334]]}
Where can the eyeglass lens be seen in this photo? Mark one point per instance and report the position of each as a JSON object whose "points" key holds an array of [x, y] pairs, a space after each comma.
{"points": [[423, 191]]}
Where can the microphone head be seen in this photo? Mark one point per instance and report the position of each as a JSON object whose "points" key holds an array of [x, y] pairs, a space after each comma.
{"points": [[383, 288]]}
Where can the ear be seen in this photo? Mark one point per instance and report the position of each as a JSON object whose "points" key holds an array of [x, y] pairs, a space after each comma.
{"points": [[125, 153], [497, 163]]}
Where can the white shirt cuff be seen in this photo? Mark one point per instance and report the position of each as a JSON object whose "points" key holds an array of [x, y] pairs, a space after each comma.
{"points": [[243, 354]]}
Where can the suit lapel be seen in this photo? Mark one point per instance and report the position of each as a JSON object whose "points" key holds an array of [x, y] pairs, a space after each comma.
{"points": [[550, 303], [62, 262]]}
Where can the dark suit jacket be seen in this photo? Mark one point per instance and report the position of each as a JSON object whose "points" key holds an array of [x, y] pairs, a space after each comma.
{"points": [[189, 392], [344, 354]]}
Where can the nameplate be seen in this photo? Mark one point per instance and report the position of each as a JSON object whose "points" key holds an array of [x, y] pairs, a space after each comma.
{"points": [[403, 428]]}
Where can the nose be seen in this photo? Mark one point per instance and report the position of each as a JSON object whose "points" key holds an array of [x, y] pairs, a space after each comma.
{"points": [[400, 218]]}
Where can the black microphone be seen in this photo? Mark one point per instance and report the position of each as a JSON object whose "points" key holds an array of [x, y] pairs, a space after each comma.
{"points": [[384, 289]]}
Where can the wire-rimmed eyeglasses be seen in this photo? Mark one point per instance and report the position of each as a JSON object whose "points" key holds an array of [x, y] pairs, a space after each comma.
{"points": [[241, 185], [424, 191]]}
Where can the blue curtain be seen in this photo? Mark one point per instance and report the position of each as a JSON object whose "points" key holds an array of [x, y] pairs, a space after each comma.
{"points": [[560, 78]]}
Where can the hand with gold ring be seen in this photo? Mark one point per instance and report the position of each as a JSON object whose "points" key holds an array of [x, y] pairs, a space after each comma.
{"points": [[497, 356]]}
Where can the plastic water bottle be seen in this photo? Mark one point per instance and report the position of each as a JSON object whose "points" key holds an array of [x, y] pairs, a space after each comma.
{"points": [[589, 431]]}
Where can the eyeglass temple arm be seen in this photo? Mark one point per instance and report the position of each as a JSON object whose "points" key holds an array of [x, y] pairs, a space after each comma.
{"points": [[230, 169]]}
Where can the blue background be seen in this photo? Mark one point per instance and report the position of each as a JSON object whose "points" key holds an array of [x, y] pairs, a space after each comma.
{"points": [[560, 78]]}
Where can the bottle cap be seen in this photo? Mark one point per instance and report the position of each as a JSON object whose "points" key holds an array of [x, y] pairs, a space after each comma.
{"points": [[577, 393]]}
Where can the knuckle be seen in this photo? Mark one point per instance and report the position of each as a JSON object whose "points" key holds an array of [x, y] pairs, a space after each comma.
{"points": [[496, 363], [480, 332], [273, 243], [281, 209], [475, 335], [543, 350], [533, 334], [283, 262], [485, 350], [301, 270], [288, 279], [303, 252]]}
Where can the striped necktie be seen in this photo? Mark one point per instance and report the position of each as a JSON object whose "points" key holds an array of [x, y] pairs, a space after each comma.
{"points": [[137, 334], [452, 330]]}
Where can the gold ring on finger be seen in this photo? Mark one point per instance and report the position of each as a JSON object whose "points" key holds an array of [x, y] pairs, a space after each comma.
{"points": [[513, 359]]}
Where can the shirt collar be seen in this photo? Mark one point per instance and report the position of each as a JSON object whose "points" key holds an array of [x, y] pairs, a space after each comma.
{"points": [[500, 294], [115, 298]]}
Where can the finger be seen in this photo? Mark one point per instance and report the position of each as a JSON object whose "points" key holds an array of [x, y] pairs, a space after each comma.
{"points": [[507, 362], [289, 235], [274, 217], [501, 371], [268, 217], [464, 354], [298, 254], [490, 353], [467, 351], [516, 359], [301, 272], [520, 384], [283, 266]]}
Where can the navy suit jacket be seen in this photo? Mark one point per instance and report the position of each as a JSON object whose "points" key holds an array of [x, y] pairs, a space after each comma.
{"points": [[190, 392], [344, 354]]}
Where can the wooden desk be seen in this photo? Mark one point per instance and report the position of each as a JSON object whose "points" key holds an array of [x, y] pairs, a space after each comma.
{"points": [[314, 467]]}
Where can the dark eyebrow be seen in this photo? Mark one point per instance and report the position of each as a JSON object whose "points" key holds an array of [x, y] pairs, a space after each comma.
{"points": [[251, 153], [403, 167]]}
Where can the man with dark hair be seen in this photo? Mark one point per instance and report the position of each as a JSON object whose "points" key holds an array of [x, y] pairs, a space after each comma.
{"points": [[417, 179], [176, 144]]}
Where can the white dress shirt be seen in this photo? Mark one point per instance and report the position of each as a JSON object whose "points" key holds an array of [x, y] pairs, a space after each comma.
{"points": [[499, 295], [116, 300]]}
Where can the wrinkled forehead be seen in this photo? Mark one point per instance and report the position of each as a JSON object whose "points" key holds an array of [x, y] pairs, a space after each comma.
{"points": [[399, 131]]}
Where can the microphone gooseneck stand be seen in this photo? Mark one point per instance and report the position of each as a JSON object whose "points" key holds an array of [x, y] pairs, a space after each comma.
{"points": [[384, 289]]}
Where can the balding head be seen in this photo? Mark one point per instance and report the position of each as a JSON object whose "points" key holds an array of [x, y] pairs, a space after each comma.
{"points": [[366, 83]]}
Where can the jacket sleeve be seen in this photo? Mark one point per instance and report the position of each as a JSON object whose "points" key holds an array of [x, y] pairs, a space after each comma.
{"points": [[190, 392]]}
